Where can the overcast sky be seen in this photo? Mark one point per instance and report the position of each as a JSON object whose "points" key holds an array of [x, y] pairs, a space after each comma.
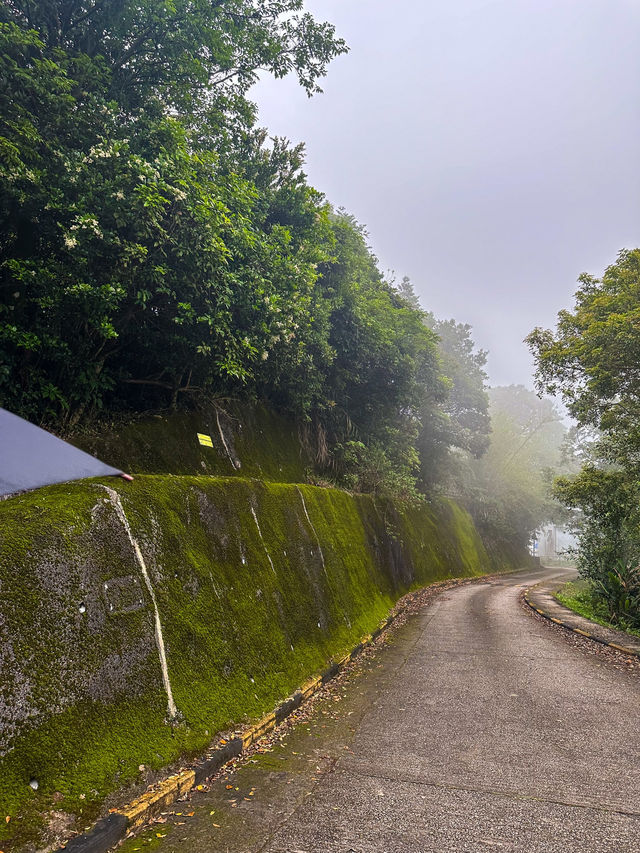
{"points": [[491, 147]]}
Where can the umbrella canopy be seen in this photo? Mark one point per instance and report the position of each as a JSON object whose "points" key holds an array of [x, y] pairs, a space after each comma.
{"points": [[31, 457]]}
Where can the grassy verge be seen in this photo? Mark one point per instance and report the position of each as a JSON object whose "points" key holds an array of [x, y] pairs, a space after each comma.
{"points": [[579, 597]]}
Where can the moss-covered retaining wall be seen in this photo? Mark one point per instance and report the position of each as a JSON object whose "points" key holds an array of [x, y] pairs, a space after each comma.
{"points": [[247, 440], [237, 588]]}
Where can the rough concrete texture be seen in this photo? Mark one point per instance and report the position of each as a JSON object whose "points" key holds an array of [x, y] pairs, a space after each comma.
{"points": [[476, 728]]}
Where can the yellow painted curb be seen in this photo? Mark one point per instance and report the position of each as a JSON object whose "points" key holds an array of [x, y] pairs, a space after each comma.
{"points": [[168, 791], [154, 801], [264, 725], [622, 649], [310, 687], [582, 633]]}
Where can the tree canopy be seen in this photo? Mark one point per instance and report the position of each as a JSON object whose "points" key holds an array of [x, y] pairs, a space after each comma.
{"points": [[458, 418], [593, 358]]}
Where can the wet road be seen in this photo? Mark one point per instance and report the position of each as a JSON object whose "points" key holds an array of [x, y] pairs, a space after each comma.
{"points": [[476, 728]]}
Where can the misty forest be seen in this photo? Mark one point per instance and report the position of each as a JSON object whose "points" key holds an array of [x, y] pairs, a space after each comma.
{"points": [[159, 248]]}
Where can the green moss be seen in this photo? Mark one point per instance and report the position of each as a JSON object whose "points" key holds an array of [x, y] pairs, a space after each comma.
{"points": [[259, 443], [444, 541], [247, 615]]}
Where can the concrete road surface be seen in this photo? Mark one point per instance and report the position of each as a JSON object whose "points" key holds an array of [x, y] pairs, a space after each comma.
{"points": [[476, 728]]}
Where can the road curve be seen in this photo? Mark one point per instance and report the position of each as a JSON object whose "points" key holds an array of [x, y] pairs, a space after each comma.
{"points": [[477, 728]]}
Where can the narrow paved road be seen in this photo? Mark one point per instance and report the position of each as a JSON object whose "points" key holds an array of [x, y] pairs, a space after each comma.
{"points": [[476, 728]]}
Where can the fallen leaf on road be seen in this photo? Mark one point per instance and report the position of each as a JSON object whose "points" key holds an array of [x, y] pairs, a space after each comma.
{"points": [[190, 814]]}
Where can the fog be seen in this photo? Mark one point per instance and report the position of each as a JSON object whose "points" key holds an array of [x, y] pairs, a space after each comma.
{"points": [[490, 147]]}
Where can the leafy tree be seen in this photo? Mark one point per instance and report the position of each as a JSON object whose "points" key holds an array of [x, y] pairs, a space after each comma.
{"points": [[609, 537], [538, 422], [180, 53], [156, 245], [135, 254], [406, 291], [593, 361], [593, 358], [455, 423], [385, 362]]}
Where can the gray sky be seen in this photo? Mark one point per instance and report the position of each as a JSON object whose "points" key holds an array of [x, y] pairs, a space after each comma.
{"points": [[491, 147]]}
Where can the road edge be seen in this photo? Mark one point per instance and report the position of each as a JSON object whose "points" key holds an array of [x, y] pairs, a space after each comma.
{"points": [[535, 598]]}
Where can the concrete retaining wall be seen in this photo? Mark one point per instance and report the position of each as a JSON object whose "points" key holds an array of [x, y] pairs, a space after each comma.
{"points": [[138, 619]]}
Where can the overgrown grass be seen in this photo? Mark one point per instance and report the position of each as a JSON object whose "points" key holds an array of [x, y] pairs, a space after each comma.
{"points": [[579, 596]]}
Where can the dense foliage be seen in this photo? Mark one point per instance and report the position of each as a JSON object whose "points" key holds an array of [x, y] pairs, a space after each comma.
{"points": [[593, 360], [156, 246], [460, 425], [148, 238], [609, 553]]}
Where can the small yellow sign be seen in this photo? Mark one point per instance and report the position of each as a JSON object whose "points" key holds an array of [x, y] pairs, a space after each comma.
{"points": [[205, 440]]}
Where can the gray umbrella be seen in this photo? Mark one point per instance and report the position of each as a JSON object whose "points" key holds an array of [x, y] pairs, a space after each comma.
{"points": [[31, 457]]}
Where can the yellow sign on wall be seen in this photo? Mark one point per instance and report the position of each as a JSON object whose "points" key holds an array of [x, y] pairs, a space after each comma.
{"points": [[205, 440]]}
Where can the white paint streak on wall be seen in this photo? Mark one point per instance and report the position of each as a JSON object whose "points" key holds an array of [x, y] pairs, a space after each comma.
{"points": [[266, 550], [224, 443], [114, 499], [315, 533]]}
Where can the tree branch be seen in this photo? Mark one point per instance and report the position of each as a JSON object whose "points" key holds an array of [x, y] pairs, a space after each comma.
{"points": [[98, 6], [157, 383]]}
